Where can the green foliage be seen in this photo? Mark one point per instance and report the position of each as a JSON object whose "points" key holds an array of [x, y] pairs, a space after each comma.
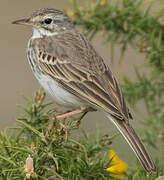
{"points": [[54, 156]]}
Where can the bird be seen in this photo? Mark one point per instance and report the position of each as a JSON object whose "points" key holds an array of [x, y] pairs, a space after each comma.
{"points": [[71, 71]]}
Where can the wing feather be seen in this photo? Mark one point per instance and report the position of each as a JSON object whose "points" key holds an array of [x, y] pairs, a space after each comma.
{"points": [[74, 64]]}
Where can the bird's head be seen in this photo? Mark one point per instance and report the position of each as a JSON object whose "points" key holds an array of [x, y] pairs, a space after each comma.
{"points": [[47, 22]]}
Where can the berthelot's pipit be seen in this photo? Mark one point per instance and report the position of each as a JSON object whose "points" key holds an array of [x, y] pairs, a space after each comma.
{"points": [[75, 75]]}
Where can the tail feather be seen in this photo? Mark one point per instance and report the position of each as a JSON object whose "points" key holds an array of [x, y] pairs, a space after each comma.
{"points": [[135, 143]]}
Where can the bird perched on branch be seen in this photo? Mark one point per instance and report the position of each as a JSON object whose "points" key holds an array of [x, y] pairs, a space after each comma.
{"points": [[75, 75]]}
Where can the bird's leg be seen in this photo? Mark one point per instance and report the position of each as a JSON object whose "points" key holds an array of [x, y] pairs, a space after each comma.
{"points": [[66, 115], [61, 117], [69, 114]]}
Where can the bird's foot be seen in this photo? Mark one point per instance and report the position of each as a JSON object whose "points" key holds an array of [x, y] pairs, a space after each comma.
{"points": [[62, 117]]}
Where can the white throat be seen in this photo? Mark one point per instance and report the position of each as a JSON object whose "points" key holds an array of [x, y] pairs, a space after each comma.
{"points": [[36, 33], [39, 33]]}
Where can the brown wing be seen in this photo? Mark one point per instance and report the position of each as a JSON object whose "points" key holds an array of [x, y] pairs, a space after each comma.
{"points": [[72, 61]]}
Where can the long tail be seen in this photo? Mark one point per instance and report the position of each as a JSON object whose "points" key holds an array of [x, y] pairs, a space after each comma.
{"points": [[135, 143]]}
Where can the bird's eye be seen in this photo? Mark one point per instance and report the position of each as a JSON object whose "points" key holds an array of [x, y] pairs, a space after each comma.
{"points": [[48, 20]]}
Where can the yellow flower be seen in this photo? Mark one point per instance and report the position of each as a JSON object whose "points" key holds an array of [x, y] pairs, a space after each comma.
{"points": [[118, 167]]}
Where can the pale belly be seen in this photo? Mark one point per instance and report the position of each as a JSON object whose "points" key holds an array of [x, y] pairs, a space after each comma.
{"points": [[59, 95]]}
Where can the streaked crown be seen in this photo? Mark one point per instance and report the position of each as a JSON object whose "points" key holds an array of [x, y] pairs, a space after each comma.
{"points": [[48, 20]]}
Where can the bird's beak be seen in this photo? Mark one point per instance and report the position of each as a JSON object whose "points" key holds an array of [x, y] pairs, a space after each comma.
{"points": [[23, 22]]}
